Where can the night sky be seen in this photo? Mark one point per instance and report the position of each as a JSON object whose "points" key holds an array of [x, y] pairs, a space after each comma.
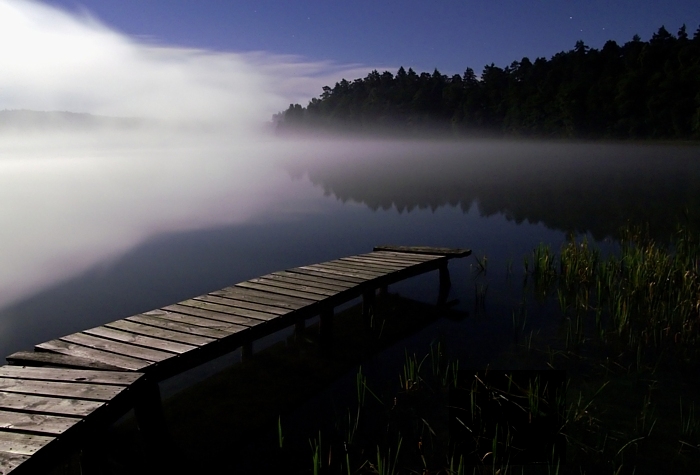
{"points": [[446, 34]]}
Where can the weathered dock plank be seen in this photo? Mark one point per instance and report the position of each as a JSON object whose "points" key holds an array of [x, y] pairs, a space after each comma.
{"points": [[95, 392], [325, 281], [442, 251], [78, 351], [196, 326], [140, 340], [44, 411], [31, 403], [294, 284], [326, 269], [271, 289], [118, 378], [238, 303], [10, 461], [181, 336], [228, 309], [383, 266], [116, 347], [364, 271], [258, 296], [314, 283], [41, 423], [229, 319], [40, 358], [80, 377], [22, 444]]}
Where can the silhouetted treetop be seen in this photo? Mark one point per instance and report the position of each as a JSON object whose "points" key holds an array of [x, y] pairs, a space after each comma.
{"points": [[642, 89]]}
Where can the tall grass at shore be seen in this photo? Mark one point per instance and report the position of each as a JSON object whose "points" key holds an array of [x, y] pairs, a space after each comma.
{"points": [[643, 301]]}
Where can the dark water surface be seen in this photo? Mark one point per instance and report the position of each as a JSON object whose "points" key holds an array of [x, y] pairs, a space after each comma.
{"points": [[222, 220], [499, 199]]}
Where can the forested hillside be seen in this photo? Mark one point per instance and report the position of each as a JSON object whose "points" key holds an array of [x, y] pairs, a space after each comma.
{"points": [[642, 89]]}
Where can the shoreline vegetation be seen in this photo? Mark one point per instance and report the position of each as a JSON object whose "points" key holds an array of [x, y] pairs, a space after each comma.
{"points": [[639, 90], [607, 384]]}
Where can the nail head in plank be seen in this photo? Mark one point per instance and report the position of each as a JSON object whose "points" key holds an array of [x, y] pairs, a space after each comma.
{"points": [[47, 424], [48, 405], [119, 378], [120, 361], [140, 340]]}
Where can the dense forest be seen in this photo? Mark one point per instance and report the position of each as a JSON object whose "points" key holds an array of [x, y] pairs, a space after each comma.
{"points": [[642, 89]]}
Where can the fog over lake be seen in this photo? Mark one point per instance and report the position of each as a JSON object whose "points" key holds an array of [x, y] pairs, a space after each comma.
{"points": [[101, 225], [166, 179]]}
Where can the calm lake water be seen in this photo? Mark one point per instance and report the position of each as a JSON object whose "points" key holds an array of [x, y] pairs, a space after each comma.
{"points": [[100, 228], [99, 231]]}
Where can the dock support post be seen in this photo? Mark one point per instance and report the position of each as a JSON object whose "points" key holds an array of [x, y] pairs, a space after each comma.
{"points": [[326, 330], [150, 419], [92, 457], [247, 351], [300, 326], [148, 408], [368, 298], [445, 284]]}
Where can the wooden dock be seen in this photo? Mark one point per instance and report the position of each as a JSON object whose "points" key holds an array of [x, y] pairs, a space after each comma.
{"points": [[52, 398]]}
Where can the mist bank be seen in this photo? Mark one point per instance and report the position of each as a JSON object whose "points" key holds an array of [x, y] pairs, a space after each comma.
{"points": [[594, 188], [642, 89]]}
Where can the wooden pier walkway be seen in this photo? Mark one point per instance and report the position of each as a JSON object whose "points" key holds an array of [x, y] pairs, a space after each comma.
{"points": [[51, 398]]}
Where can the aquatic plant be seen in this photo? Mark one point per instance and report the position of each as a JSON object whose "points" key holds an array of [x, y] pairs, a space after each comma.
{"points": [[644, 299]]}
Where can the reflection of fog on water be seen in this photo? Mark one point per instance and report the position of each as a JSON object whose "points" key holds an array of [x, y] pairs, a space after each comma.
{"points": [[65, 210], [584, 188]]}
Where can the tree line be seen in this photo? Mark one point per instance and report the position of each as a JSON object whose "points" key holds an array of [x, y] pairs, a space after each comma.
{"points": [[642, 89]]}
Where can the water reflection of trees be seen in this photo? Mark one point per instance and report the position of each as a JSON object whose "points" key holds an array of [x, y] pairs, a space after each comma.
{"points": [[582, 188]]}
